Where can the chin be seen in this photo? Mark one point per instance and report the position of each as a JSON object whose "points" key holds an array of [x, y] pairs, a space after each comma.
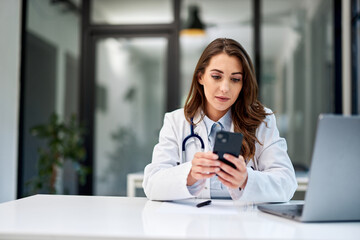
{"points": [[222, 108]]}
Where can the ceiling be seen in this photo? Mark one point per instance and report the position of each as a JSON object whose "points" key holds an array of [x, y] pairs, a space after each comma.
{"points": [[226, 18]]}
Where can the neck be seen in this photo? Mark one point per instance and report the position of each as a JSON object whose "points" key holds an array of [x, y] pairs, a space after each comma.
{"points": [[216, 115]]}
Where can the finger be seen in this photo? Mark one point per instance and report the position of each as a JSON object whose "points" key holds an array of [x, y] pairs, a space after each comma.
{"points": [[230, 181], [225, 176], [205, 162], [237, 161], [229, 169], [233, 180], [200, 169], [199, 176], [242, 159], [208, 155], [211, 155], [227, 183]]}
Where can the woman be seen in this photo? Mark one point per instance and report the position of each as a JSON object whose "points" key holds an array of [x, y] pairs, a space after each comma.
{"points": [[223, 94]]}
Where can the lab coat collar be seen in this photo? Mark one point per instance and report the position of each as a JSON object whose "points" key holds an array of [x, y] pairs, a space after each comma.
{"points": [[199, 122], [225, 121], [198, 116]]}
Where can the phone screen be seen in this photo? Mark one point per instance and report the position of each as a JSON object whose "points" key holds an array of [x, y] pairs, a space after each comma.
{"points": [[227, 142]]}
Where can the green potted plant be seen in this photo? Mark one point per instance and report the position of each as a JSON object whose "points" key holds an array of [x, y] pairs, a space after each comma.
{"points": [[64, 142]]}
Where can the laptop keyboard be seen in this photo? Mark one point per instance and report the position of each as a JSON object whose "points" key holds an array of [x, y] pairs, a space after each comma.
{"points": [[292, 210]]}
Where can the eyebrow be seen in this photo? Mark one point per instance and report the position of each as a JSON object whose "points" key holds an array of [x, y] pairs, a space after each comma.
{"points": [[234, 73]]}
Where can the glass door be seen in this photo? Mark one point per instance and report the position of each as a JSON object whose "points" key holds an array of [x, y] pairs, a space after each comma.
{"points": [[297, 75], [130, 90]]}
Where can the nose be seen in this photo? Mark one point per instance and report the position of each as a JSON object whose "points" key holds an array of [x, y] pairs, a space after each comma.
{"points": [[225, 85]]}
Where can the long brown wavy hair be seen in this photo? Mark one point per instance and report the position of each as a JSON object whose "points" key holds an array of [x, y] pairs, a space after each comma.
{"points": [[247, 112]]}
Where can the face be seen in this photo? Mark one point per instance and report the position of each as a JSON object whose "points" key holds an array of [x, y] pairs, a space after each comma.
{"points": [[222, 82]]}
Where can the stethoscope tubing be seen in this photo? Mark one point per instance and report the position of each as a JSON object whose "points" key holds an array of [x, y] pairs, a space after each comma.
{"points": [[192, 135]]}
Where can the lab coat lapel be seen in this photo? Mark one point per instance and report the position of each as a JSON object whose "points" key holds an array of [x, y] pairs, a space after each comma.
{"points": [[232, 127], [200, 129], [202, 132]]}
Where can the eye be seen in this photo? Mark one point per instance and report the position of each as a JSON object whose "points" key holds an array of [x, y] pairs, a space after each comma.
{"points": [[236, 79], [216, 77]]}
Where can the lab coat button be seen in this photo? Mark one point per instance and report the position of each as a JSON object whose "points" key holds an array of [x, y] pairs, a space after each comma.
{"points": [[206, 188]]}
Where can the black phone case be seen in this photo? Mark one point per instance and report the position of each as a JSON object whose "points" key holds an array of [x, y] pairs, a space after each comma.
{"points": [[227, 142]]}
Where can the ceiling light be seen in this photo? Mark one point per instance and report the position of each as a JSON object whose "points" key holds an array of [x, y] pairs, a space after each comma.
{"points": [[194, 26]]}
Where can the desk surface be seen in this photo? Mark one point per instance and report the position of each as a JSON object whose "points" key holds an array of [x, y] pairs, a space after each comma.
{"points": [[84, 217]]}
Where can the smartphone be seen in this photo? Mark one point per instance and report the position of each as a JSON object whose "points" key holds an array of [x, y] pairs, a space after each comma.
{"points": [[227, 142]]}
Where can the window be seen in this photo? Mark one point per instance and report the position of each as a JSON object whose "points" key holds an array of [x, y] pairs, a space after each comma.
{"points": [[297, 69]]}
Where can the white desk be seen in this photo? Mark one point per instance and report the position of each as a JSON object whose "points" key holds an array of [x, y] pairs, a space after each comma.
{"points": [[80, 217]]}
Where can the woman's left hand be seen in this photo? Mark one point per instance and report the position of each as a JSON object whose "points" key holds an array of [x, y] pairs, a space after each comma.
{"points": [[231, 177]]}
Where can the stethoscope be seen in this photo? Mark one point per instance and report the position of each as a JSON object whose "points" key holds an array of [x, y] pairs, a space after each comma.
{"points": [[192, 135]]}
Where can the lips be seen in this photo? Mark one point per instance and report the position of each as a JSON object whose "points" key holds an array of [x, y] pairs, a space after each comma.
{"points": [[222, 99]]}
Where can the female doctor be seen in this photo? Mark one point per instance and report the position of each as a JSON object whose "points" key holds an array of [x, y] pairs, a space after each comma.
{"points": [[223, 96]]}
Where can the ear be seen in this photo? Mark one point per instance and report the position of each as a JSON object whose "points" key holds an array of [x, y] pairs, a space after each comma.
{"points": [[200, 79]]}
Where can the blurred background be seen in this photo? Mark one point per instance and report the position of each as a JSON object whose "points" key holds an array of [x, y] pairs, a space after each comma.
{"points": [[119, 65]]}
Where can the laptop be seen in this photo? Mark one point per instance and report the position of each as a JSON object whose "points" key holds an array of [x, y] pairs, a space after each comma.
{"points": [[333, 192]]}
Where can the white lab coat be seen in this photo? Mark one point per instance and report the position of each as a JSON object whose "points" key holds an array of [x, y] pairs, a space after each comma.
{"points": [[271, 180]]}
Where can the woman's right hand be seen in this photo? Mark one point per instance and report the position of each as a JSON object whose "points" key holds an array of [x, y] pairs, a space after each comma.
{"points": [[204, 165]]}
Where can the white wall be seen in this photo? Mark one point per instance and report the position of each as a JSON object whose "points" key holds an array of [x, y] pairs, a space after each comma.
{"points": [[10, 14]]}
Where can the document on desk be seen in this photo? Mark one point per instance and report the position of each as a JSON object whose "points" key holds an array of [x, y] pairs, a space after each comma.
{"points": [[189, 207]]}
